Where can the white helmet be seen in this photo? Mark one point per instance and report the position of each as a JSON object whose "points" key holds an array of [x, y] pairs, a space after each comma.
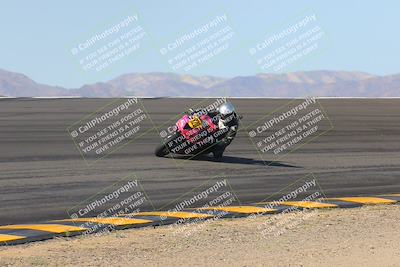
{"points": [[226, 109]]}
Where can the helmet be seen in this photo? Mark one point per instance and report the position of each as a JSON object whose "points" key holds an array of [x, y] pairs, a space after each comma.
{"points": [[226, 109]]}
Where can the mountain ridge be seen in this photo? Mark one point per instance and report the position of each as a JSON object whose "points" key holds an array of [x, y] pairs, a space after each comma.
{"points": [[159, 84]]}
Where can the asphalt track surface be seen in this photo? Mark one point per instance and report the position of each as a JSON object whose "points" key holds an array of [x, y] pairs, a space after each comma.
{"points": [[42, 174]]}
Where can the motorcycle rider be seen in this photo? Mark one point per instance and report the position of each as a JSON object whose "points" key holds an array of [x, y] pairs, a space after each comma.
{"points": [[227, 121]]}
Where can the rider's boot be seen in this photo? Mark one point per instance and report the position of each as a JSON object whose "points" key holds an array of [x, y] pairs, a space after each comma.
{"points": [[218, 153]]}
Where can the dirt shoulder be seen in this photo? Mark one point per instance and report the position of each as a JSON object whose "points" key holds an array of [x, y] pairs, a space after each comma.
{"points": [[368, 236]]}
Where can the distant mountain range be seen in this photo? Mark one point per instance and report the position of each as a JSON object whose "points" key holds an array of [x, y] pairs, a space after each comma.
{"points": [[296, 84]]}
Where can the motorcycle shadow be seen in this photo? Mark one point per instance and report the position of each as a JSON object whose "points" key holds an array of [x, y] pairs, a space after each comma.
{"points": [[236, 160]]}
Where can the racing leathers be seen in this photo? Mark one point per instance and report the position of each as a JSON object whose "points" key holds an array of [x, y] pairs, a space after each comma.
{"points": [[226, 125]]}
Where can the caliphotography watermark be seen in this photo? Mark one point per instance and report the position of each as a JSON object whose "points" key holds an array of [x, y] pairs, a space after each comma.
{"points": [[290, 44], [207, 202], [109, 45], [289, 127], [110, 128], [291, 217], [198, 45], [296, 204], [109, 209]]}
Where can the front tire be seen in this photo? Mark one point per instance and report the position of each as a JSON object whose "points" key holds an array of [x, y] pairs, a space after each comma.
{"points": [[161, 150]]}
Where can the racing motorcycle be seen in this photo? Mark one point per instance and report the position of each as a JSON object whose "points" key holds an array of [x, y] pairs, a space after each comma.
{"points": [[194, 135]]}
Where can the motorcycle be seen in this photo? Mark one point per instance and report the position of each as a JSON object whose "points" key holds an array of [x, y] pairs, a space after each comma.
{"points": [[194, 135]]}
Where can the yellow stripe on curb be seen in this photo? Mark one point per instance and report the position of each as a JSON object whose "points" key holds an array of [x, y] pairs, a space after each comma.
{"points": [[52, 228], [365, 200], [308, 204], [241, 209], [112, 221], [391, 195], [180, 215], [7, 238]]}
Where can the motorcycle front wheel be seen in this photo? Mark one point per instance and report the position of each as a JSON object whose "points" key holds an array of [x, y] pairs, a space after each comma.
{"points": [[162, 149]]}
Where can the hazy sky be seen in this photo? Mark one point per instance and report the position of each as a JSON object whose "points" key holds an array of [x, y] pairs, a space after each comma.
{"points": [[38, 36]]}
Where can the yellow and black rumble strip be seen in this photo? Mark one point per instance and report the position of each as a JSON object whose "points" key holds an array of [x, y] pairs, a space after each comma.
{"points": [[24, 233]]}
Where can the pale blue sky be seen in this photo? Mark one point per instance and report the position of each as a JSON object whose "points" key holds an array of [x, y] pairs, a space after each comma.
{"points": [[37, 35]]}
